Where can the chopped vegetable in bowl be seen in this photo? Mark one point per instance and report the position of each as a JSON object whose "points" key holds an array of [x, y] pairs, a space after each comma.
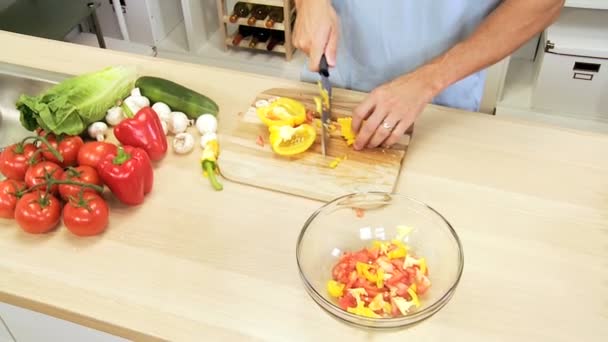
{"points": [[384, 280]]}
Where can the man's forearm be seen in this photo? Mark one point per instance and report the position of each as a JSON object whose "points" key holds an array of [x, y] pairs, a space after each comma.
{"points": [[506, 29]]}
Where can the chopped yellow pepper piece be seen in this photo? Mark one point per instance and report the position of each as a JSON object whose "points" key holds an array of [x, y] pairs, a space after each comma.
{"points": [[334, 163], [363, 271], [380, 278], [335, 289], [415, 299], [423, 266], [347, 130], [400, 252], [363, 311]]}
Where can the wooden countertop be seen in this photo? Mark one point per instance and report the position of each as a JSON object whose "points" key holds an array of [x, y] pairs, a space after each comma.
{"points": [[530, 203]]}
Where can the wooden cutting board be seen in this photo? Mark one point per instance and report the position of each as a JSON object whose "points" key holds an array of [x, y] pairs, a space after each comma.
{"points": [[308, 174]]}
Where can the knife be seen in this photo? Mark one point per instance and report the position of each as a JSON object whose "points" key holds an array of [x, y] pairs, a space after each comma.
{"points": [[325, 85]]}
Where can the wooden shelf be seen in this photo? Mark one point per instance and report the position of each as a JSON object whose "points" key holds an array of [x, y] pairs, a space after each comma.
{"points": [[289, 12], [260, 46], [278, 3], [258, 23]]}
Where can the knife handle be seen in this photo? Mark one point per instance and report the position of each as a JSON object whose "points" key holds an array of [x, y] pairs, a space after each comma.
{"points": [[323, 66]]}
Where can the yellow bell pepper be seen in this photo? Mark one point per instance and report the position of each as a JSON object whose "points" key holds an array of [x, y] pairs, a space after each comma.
{"points": [[287, 140], [363, 311], [380, 278], [282, 112], [335, 289], [400, 252], [363, 271], [347, 130], [414, 296]]}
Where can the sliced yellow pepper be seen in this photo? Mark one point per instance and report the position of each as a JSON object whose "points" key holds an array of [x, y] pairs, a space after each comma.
{"points": [[423, 266], [415, 299], [400, 252], [282, 112], [334, 163], [380, 278], [335, 289], [347, 130], [287, 140], [363, 271], [363, 311]]}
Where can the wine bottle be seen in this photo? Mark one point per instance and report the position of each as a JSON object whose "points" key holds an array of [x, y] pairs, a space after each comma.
{"points": [[259, 36], [258, 12], [243, 32], [275, 16], [241, 10], [277, 38]]}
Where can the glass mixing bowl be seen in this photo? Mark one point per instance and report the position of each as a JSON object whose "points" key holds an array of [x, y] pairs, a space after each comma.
{"points": [[352, 222]]}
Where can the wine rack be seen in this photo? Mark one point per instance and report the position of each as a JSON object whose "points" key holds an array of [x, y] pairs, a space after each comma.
{"points": [[285, 27]]}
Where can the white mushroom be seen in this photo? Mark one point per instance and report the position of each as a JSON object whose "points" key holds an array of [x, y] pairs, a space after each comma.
{"points": [[183, 143], [165, 128], [206, 123], [206, 138], [114, 116], [135, 92], [98, 130], [163, 111], [141, 101], [178, 122]]}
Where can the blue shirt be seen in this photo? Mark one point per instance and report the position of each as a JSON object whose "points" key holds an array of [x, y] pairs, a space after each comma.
{"points": [[381, 40]]}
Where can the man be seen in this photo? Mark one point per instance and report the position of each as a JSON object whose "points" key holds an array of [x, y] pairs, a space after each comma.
{"points": [[408, 53]]}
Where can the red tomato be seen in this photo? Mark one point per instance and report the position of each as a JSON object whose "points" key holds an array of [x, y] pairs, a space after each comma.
{"points": [[92, 152], [83, 174], [86, 216], [36, 174], [14, 160], [373, 253], [38, 213], [8, 200], [347, 301], [67, 146]]}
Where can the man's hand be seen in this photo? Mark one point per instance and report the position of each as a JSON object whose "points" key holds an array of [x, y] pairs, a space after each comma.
{"points": [[384, 116], [391, 108], [316, 31]]}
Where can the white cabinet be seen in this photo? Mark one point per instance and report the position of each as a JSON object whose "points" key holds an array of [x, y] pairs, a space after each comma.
{"points": [[523, 96], [30, 326]]}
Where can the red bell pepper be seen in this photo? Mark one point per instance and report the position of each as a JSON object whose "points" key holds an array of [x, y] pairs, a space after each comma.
{"points": [[145, 131], [128, 174]]}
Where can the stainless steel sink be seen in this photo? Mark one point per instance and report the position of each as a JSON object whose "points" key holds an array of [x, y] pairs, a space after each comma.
{"points": [[14, 81]]}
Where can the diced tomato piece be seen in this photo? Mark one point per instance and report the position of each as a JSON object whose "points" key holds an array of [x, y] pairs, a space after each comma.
{"points": [[347, 301], [352, 278], [362, 256], [373, 253], [398, 263], [401, 289]]}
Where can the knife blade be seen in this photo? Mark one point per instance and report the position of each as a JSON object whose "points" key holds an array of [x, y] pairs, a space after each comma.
{"points": [[325, 86]]}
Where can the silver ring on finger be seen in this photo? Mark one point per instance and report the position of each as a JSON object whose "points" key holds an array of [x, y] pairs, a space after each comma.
{"points": [[386, 125]]}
